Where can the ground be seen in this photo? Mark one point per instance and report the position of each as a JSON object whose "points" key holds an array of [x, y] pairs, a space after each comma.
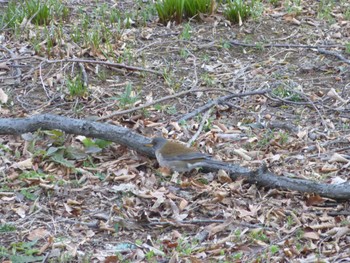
{"points": [[66, 198]]}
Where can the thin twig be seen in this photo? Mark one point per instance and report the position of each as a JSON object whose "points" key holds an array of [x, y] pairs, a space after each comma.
{"points": [[111, 64], [335, 54], [221, 100], [256, 45], [117, 113], [17, 68], [200, 128], [42, 80]]}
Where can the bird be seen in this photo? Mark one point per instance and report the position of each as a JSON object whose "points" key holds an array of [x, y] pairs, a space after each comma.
{"points": [[177, 156]]}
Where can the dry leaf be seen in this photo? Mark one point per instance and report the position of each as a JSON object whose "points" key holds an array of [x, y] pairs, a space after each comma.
{"points": [[311, 235], [336, 157], [334, 95], [4, 66], [314, 200], [38, 233], [223, 177], [23, 165], [242, 153], [20, 211], [3, 97]]}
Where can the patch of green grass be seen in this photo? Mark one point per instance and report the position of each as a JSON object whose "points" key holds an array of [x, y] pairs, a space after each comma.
{"points": [[238, 10], [186, 32], [290, 221], [76, 87], [171, 110], [274, 249], [275, 3], [283, 137], [207, 79], [237, 256], [145, 12], [170, 10], [286, 93], [258, 234], [39, 12], [7, 228], [347, 13], [226, 44], [184, 53], [30, 193], [347, 48], [193, 7], [299, 234], [293, 6], [31, 175], [128, 98], [265, 140], [324, 11], [177, 10]]}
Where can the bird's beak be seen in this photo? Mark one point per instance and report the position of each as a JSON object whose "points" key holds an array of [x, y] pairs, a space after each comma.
{"points": [[149, 145]]}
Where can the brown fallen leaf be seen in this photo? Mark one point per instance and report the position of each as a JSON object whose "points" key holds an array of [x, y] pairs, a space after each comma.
{"points": [[38, 233]]}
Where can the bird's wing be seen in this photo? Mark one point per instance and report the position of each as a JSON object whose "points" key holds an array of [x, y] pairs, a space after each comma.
{"points": [[191, 156]]}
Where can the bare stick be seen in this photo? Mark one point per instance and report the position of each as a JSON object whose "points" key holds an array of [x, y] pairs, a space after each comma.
{"points": [[200, 128], [221, 100], [18, 71], [111, 64]]}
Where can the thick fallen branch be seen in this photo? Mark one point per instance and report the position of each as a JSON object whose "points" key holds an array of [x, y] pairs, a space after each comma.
{"points": [[87, 128], [126, 137]]}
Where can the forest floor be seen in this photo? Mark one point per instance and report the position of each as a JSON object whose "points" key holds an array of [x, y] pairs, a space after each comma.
{"points": [[66, 198]]}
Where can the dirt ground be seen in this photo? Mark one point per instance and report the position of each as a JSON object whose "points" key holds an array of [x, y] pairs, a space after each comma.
{"points": [[66, 198]]}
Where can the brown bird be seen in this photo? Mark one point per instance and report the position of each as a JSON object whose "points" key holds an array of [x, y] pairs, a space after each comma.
{"points": [[177, 156]]}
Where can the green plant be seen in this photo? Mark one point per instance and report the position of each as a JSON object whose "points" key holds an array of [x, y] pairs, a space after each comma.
{"points": [[265, 140], [170, 10], [96, 143], [184, 53], [76, 87], [40, 12], [238, 10], [171, 110], [207, 79], [290, 221], [129, 97], [238, 256], [286, 93], [258, 234], [283, 137], [226, 44], [275, 3], [7, 228], [274, 249], [299, 233], [186, 32], [293, 7], [149, 255], [37, 11], [29, 193], [193, 7], [325, 8], [145, 12], [76, 34], [347, 48], [347, 13]]}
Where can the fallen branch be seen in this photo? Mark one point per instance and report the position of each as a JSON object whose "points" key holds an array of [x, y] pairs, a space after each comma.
{"points": [[106, 63], [126, 137]]}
